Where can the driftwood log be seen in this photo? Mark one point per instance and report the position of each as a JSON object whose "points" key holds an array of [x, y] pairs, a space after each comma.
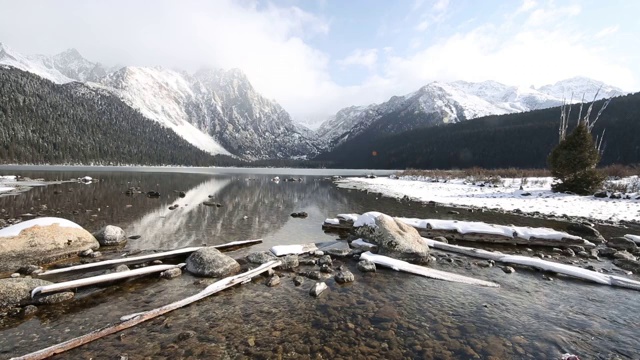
{"points": [[144, 258], [400, 265], [100, 279], [135, 319]]}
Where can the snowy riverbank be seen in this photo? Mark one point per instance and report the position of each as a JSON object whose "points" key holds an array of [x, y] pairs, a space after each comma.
{"points": [[536, 196]]}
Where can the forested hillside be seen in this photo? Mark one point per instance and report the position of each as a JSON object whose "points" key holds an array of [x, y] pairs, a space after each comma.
{"points": [[521, 140], [42, 122]]}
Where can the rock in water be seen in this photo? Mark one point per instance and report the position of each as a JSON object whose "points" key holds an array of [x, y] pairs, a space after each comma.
{"points": [[273, 280], [210, 262], [15, 292], [631, 265], [325, 260], [344, 276], [586, 232], [366, 266], [396, 239], [260, 257], [622, 243], [289, 262], [300, 214], [110, 236], [317, 289], [171, 273], [42, 241], [298, 280]]}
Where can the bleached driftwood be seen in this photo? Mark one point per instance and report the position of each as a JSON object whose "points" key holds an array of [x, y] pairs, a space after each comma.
{"points": [[400, 265], [280, 250], [634, 238], [135, 319], [144, 258], [100, 279], [564, 269]]}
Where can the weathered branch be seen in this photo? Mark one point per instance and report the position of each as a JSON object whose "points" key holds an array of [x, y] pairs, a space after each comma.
{"points": [[135, 319]]}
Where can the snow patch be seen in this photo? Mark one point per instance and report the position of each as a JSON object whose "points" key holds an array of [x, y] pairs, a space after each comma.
{"points": [[634, 238]]}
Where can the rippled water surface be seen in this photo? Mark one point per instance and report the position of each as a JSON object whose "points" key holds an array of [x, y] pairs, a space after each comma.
{"points": [[383, 315]]}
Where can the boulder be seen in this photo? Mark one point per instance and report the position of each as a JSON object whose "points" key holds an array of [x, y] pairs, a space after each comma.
{"points": [[396, 239], [298, 280], [601, 194], [622, 243], [586, 232], [623, 255], [606, 251], [260, 257], [325, 260], [17, 292], [171, 273], [273, 280], [210, 262], [110, 236], [42, 241]]}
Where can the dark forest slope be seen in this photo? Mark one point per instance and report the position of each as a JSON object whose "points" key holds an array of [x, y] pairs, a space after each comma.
{"points": [[515, 140], [41, 122]]}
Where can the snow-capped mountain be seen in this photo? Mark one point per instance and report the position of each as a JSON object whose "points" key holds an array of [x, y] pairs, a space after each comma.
{"points": [[215, 110], [440, 103]]}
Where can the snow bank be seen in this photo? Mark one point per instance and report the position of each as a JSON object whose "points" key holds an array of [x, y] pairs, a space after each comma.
{"points": [[461, 192], [14, 230], [348, 217]]}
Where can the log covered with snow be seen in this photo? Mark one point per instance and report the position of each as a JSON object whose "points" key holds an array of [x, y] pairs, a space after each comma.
{"points": [[470, 231]]}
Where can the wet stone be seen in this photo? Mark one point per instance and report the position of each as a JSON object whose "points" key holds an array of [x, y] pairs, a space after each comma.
{"points": [[185, 335], [171, 273], [314, 275], [298, 280], [317, 289], [289, 262], [307, 262], [273, 280], [345, 276], [508, 269], [260, 257], [366, 266], [121, 268], [325, 260], [339, 252], [95, 254], [29, 310], [326, 269], [86, 253]]}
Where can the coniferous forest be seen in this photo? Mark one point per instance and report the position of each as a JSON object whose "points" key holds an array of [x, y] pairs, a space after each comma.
{"points": [[45, 123], [521, 140]]}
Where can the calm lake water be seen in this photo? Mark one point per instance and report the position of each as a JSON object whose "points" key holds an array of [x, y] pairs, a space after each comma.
{"points": [[383, 315]]}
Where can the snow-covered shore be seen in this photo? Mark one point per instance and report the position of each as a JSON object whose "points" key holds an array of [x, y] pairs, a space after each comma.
{"points": [[536, 196]]}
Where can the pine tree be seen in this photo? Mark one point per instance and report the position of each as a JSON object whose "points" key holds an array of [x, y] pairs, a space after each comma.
{"points": [[573, 163]]}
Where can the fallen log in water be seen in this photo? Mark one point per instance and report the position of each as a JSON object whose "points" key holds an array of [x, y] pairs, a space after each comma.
{"points": [[135, 319], [400, 265], [144, 258], [100, 279], [564, 269], [470, 231]]}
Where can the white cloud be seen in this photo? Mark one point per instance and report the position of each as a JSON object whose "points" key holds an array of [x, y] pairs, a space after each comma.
{"points": [[607, 31], [441, 5], [367, 58], [422, 26], [526, 6]]}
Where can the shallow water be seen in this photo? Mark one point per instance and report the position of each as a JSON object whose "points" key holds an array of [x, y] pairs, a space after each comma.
{"points": [[385, 315]]}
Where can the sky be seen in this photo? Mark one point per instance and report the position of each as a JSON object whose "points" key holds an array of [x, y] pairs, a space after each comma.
{"points": [[317, 56]]}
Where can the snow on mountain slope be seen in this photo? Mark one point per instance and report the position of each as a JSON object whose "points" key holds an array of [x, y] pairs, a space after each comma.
{"points": [[161, 95], [440, 103], [38, 65], [73, 65], [577, 86]]}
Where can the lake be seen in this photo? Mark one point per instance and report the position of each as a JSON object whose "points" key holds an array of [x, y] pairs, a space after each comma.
{"points": [[385, 314]]}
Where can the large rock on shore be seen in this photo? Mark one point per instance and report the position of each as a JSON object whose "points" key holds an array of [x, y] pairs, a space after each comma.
{"points": [[110, 236], [41, 241], [17, 292], [210, 262], [396, 239], [622, 243], [587, 232]]}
